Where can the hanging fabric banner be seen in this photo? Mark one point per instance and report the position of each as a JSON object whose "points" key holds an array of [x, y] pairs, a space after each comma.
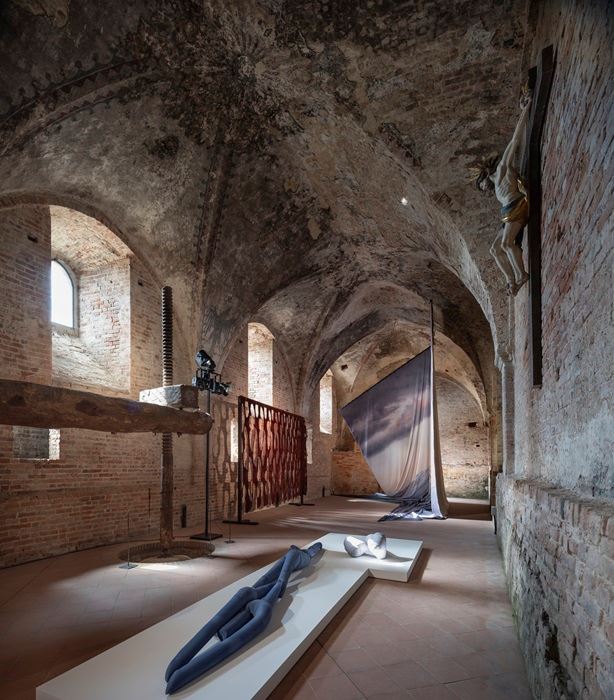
{"points": [[395, 424]]}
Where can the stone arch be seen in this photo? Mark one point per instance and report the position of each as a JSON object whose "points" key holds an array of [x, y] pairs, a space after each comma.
{"points": [[124, 241], [464, 416], [79, 204]]}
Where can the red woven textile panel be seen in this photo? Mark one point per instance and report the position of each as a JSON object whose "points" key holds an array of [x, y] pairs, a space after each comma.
{"points": [[273, 454]]}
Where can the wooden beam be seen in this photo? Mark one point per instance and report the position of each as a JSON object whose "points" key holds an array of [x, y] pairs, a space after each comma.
{"points": [[540, 80], [42, 406]]}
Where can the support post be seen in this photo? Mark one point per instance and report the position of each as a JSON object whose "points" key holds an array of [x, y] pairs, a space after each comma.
{"points": [[303, 477], [240, 520], [128, 565], [166, 499], [207, 535], [540, 81]]}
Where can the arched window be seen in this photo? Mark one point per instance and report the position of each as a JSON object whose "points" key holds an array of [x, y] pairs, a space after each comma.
{"points": [[326, 403], [62, 295]]}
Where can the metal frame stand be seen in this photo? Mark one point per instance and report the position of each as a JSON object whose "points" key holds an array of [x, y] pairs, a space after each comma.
{"points": [[229, 540], [128, 564], [207, 535]]}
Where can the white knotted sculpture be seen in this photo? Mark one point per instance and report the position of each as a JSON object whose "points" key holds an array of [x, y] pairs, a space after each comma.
{"points": [[373, 545]]}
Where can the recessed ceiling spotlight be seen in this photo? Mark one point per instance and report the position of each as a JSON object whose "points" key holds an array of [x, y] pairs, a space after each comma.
{"points": [[404, 201]]}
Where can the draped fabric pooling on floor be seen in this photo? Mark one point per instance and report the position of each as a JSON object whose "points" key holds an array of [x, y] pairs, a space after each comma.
{"points": [[395, 424]]}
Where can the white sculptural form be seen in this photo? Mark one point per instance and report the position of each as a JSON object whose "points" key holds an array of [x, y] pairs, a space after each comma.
{"points": [[502, 175], [373, 545]]}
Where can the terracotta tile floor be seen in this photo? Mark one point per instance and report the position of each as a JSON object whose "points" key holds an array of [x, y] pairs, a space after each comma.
{"points": [[447, 634]]}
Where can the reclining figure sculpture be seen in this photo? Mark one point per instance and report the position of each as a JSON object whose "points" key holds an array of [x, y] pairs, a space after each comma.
{"points": [[243, 617]]}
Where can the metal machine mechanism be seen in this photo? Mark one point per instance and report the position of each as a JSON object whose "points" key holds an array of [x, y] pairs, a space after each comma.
{"points": [[207, 379]]}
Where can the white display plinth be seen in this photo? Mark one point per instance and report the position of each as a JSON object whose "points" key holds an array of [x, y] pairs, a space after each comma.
{"points": [[134, 669]]}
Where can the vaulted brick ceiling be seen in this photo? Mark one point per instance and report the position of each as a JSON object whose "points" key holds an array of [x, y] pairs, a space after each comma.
{"points": [[256, 155]]}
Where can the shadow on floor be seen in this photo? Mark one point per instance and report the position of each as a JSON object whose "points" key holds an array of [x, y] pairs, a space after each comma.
{"points": [[420, 566], [469, 510]]}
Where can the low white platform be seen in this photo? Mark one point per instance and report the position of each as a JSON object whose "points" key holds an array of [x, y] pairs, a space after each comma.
{"points": [[134, 669]]}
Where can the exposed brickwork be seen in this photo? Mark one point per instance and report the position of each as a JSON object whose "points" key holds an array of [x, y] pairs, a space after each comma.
{"points": [[68, 229], [104, 320], [81, 500], [565, 430], [81, 496], [25, 333], [260, 363], [97, 353], [145, 324], [267, 358], [558, 550], [351, 474], [557, 538], [235, 366], [316, 181], [319, 472], [465, 449]]}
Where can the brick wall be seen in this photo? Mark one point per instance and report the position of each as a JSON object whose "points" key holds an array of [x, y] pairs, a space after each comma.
{"points": [[104, 319], [558, 550], [97, 355], [465, 445], [82, 498], [255, 351], [319, 472], [235, 367], [556, 524], [25, 245], [351, 473], [145, 331], [565, 430], [260, 363]]}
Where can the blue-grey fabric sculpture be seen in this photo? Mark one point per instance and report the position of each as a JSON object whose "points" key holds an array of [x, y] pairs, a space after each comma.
{"points": [[243, 617]]}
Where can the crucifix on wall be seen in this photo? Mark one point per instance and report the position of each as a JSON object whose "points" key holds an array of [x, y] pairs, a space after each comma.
{"points": [[540, 82]]}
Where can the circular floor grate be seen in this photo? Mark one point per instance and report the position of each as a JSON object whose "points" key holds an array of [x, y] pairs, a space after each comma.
{"points": [[153, 553]]}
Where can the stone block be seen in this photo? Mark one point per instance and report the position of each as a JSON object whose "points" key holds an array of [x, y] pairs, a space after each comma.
{"points": [[175, 396]]}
